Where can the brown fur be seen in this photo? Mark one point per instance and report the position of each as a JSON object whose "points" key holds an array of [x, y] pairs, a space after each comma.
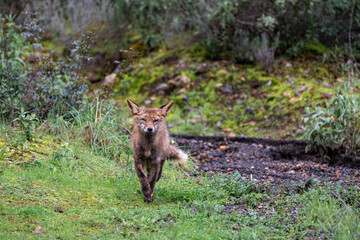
{"points": [[151, 145]]}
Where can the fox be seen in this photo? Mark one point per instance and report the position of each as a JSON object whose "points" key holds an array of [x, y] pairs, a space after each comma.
{"points": [[151, 145]]}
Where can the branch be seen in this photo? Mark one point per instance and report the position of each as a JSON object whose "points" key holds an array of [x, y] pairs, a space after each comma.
{"points": [[10, 106]]}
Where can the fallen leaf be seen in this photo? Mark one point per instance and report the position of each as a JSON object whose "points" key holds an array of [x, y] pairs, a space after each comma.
{"points": [[295, 99], [287, 94], [38, 230], [227, 130]]}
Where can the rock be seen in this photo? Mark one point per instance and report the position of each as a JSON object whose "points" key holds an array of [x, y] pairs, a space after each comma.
{"points": [[179, 81], [249, 109], [228, 89], [326, 85], [202, 68], [110, 79], [287, 64], [182, 65], [161, 87]]}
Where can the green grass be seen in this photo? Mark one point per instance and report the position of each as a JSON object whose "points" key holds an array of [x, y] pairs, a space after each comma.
{"points": [[77, 190]]}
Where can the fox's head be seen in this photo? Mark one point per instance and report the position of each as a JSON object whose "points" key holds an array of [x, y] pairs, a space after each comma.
{"points": [[149, 119]]}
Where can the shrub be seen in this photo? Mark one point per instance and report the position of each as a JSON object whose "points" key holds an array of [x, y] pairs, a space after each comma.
{"points": [[237, 26], [43, 83], [337, 124], [12, 65]]}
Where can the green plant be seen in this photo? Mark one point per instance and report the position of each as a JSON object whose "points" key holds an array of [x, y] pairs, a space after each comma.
{"points": [[27, 123], [336, 124], [12, 65], [237, 186], [329, 212], [44, 83]]}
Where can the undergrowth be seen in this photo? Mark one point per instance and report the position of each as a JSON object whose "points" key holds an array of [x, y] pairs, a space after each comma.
{"points": [[80, 185]]}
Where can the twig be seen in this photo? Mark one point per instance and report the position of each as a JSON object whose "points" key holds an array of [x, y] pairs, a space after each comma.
{"points": [[9, 105]]}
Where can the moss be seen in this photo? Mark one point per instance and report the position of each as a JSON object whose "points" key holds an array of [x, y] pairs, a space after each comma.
{"points": [[316, 48], [269, 97]]}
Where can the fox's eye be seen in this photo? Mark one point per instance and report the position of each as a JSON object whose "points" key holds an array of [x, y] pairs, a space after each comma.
{"points": [[155, 121], [142, 119]]}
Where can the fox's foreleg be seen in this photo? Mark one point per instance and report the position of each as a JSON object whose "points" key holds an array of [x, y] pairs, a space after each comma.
{"points": [[145, 186], [154, 174]]}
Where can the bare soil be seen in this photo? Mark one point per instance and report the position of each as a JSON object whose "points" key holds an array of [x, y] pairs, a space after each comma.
{"points": [[274, 162]]}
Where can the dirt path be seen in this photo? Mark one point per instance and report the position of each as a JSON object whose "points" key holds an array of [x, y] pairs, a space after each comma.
{"points": [[275, 162]]}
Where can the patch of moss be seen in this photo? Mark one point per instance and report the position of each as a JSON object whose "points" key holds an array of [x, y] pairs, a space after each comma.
{"points": [[253, 102]]}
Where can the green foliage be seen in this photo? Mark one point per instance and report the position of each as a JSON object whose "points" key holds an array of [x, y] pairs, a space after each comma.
{"points": [[12, 65], [244, 30], [44, 83], [98, 125], [329, 210], [336, 124], [237, 186], [27, 123]]}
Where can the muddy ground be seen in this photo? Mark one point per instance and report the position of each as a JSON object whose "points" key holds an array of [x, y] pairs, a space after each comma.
{"points": [[274, 162]]}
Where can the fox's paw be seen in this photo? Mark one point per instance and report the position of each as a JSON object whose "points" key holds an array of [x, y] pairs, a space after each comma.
{"points": [[148, 199]]}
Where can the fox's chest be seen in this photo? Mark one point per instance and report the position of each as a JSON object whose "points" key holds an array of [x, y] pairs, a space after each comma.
{"points": [[147, 152], [152, 154]]}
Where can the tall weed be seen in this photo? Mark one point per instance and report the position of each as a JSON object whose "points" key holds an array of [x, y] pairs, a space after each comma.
{"points": [[97, 125], [336, 124]]}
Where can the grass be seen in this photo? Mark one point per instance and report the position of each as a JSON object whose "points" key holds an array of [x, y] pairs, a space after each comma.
{"points": [[73, 186]]}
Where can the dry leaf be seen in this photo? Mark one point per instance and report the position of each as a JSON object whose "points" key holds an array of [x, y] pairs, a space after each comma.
{"points": [[38, 230]]}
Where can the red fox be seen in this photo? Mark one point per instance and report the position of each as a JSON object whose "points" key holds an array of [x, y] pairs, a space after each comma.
{"points": [[151, 145]]}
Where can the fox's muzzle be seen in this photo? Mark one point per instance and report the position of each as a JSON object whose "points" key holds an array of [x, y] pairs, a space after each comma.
{"points": [[148, 129]]}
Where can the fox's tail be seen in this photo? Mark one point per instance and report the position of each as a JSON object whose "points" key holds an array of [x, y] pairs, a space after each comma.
{"points": [[177, 155]]}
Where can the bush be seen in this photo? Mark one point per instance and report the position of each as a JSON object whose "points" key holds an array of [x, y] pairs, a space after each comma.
{"points": [[37, 82], [238, 26], [337, 124]]}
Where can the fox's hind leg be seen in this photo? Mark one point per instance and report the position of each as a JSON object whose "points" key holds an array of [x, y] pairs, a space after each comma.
{"points": [[160, 171]]}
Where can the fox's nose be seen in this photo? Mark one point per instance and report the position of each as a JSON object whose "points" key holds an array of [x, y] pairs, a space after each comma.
{"points": [[150, 129]]}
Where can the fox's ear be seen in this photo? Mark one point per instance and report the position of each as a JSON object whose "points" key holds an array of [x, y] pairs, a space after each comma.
{"points": [[166, 108], [134, 108]]}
